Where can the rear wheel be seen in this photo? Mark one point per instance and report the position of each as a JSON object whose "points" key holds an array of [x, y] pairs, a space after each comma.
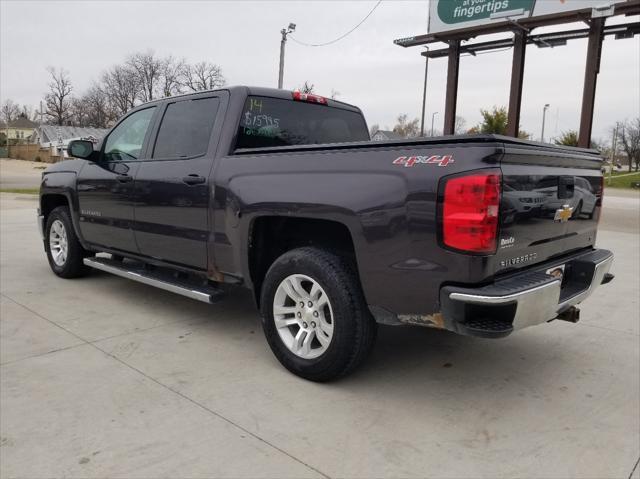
{"points": [[314, 315], [64, 251]]}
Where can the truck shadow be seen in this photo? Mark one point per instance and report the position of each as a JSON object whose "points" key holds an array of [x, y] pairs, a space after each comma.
{"points": [[413, 362]]}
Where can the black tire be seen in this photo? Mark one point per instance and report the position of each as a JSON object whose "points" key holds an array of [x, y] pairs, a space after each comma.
{"points": [[72, 266], [354, 329]]}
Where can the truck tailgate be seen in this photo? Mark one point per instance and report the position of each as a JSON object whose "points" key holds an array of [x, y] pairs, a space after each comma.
{"points": [[551, 200]]}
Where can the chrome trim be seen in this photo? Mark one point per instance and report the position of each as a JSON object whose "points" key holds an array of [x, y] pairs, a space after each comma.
{"points": [[508, 298], [189, 293], [542, 303], [41, 226]]}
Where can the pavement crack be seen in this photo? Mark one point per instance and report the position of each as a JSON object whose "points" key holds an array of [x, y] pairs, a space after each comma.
{"points": [[174, 391], [634, 468], [211, 411]]}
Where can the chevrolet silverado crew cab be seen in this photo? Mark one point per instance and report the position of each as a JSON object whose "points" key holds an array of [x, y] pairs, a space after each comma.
{"points": [[283, 193]]}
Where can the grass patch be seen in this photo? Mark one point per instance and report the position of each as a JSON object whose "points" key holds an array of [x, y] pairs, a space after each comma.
{"points": [[622, 181], [21, 191]]}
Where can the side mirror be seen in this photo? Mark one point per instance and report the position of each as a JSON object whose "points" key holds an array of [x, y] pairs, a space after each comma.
{"points": [[80, 149]]}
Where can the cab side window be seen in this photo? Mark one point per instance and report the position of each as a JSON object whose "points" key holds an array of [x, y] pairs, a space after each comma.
{"points": [[125, 142], [185, 129]]}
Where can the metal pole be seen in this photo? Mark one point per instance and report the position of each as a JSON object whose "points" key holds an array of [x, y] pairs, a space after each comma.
{"points": [[544, 114], [592, 67], [515, 90], [614, 147], [451, 95], [424, 92], [282, 44], [433, 118]]}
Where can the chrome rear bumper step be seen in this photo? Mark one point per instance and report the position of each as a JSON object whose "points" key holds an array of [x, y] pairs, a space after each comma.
{"points": [[158, 277]]}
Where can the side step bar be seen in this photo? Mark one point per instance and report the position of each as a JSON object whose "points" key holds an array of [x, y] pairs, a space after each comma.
{"points": [[159, 277]]}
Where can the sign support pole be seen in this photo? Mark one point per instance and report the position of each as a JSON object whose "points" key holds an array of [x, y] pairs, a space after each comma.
{"points": [[592, 68], [452, 88], [517, 76]]}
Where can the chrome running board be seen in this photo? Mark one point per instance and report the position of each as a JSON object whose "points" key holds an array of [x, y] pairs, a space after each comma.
{"points": [[158, 277]]}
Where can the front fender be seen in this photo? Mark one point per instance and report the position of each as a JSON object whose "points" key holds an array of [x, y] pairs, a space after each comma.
{"points": [[62, 182]]}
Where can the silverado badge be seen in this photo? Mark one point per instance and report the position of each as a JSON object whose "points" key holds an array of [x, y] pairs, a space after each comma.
{"points": [[563, 214]]}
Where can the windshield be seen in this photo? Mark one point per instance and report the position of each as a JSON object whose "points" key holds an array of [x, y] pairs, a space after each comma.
{"points": [[268, 122]]}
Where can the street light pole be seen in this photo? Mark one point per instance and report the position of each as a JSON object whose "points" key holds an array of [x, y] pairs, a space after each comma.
{"points": [[544, 114], [614, 149], [433, 117], [283, 41], [424, 92]]}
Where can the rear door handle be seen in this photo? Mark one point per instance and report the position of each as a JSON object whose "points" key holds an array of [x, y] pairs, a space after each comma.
{"points": [[124, 178], [194, 179]]}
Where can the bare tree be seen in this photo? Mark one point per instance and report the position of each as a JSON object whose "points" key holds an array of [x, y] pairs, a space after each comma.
{"points": [[100, 111], [308, 87], [121, 86], [460, 127], [58, 99], [630, 140], [334, 94], [9, 111], [79, 112], [202, 76], [171, 77], [373, 129], [148, 71], [407, 128]]}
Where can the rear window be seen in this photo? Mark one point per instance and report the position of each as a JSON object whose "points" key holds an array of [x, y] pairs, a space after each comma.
{"points": [[186, 128], [268, 122]]}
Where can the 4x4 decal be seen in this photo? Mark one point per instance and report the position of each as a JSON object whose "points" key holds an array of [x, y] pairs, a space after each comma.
{"points": [[409, 161]]}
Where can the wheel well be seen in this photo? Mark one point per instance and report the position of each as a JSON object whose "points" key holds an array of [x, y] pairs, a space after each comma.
{"points": [[50, 202], [272, 236]]}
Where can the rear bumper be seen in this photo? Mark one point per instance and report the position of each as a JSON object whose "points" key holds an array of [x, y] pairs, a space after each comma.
{"points": [[524, 299]]}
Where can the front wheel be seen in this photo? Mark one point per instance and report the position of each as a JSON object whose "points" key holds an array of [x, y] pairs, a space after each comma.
{"points": [[64, 251], [314, 315]]}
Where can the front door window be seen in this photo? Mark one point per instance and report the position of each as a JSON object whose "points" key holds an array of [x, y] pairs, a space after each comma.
{"points": [[125, 141]]}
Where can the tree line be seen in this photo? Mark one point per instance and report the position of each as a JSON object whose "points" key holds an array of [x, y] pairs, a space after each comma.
{"points": [[142, 77]]}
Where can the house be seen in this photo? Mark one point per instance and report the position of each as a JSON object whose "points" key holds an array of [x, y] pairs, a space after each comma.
{"points": [[19, 130], [56, 138], [382, 135], [60, 136]]}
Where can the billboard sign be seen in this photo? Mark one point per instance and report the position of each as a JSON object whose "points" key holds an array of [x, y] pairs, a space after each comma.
{"points": [[447, 15]]}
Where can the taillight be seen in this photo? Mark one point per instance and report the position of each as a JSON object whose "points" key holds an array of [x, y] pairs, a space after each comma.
{"points": [[470, 212], [308, 97]]}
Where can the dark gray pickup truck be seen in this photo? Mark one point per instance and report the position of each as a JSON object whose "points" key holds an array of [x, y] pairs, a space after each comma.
{"points": [[284, 194]]}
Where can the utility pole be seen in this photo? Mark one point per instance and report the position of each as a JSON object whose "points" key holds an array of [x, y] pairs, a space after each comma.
{"points": [[284, 32], [614, 147], [433, 117], [424, 92], [544, 114]]}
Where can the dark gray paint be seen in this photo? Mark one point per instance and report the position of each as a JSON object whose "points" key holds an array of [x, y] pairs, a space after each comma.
{"points": [[390, 210]]}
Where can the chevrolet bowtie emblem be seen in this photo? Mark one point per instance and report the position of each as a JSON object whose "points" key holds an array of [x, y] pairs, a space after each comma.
{"points": [[563, 214]]}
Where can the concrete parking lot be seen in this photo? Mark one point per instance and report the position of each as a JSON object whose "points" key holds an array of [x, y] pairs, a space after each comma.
{"points": [[103, 377]]}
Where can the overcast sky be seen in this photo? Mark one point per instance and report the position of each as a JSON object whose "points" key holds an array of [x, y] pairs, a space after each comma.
{"points": [[365, 67]]}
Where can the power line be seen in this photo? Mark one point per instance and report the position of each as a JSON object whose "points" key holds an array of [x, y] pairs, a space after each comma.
{"points": [[340, 37]]}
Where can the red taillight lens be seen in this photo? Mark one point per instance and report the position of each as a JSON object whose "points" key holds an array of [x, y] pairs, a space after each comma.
{"points": [[470, 212]]}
